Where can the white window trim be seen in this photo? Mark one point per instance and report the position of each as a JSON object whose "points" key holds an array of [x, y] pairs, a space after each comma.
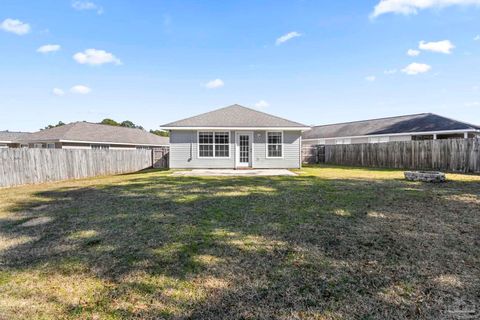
{"points": [[379, 139], [266, 145], [102, 146], [214, 157]]}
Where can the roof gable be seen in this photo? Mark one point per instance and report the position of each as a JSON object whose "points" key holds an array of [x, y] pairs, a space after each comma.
{"points": [[234, 116], [94, 132], [424, 122]]}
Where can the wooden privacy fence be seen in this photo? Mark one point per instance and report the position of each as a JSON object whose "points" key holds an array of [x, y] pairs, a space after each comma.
{"points": [[313, 154], [160, 157], [24, 166], [454, 155]]}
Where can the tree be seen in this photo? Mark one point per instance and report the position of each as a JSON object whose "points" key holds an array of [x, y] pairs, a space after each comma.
{"points": [[110, 122], [50, 126], [161, 133], [130, 124], [126, 123]]}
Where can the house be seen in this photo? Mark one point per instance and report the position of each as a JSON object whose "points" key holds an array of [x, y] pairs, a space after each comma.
{"points": [[401, 128], [235, 137], [9, 139], [86, 135]]}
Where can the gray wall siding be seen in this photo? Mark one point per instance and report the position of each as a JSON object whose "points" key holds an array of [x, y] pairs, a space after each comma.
{"points": [[183, 151], [291, 151]]}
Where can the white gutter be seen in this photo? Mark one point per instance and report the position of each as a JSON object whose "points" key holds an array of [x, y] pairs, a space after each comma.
{"points": [[397, 134]]}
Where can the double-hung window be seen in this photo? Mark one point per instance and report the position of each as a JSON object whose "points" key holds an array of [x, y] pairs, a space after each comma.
{"points": [[274, 144], [213, 144]]}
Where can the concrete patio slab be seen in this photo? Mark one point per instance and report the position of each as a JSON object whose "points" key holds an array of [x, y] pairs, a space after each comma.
{"points": [[234, 173]]}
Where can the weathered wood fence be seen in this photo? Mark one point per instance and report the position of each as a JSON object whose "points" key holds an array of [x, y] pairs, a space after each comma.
{"points": [[453, 155], [160, 157], [24, 166]]}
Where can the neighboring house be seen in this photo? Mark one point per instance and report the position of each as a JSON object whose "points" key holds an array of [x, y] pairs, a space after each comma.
{"points": [[423, 126], [85, 135], [235, 137], [9, 139]]}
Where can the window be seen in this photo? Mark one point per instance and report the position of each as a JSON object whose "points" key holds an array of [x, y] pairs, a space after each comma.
{"points": [[38, 145], [100, 146], [50, 145], [343, 141], [222, 147], [2, 146], [378, 139], [143, 148], [274, 144], [214, 144], [205, 144]]}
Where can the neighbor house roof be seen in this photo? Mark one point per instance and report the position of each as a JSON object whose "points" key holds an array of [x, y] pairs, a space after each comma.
{"points": [[97, 133], [235, 116], [9, 136], [415, 123]]}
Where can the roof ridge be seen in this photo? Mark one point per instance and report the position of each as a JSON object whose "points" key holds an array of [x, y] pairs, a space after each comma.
{"points": [[203, 113], [103, 124], [357, 121], [231, 106], [268, 114]]}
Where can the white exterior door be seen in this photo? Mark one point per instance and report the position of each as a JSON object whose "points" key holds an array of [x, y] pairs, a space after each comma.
{"points": [[243, 149]]}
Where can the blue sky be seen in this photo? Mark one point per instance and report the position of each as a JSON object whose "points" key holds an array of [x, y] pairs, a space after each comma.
{"points": [[315, 62]]}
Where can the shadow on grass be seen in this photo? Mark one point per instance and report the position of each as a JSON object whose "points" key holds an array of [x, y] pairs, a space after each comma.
{"points": [[255, 247]]}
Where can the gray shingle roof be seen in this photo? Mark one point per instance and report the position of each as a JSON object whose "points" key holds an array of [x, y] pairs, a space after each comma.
{"points": [[94, 132], [12, 136], [423, 122], [235, 116]]}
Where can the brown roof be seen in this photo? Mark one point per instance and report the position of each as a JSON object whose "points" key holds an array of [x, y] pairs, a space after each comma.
{"points": [[94, 132], [235, 116], [11, 136]]}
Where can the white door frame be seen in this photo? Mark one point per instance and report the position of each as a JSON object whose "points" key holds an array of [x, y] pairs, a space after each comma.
{"points": [[238, 164]]}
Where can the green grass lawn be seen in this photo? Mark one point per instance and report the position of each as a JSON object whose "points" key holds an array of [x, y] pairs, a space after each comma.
{"points": [[331, 243]]}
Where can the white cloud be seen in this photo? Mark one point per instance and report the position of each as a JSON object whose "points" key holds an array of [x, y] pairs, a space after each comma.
{"points": [[472, 104], [48, 48], [370, 78], [413, 53], [408, 7], [262, 104], [477, 37], [15, 26], [214, 84], [416, 68], [58, 92], [80, 89], [95, 57], [287, 37], [86, 5], [444, 46], [390, 71]]}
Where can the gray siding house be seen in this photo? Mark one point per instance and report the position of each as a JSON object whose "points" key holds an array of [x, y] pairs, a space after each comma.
{"points": [[423, 126], [235, 137], [9, 139], [86, 135]]}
